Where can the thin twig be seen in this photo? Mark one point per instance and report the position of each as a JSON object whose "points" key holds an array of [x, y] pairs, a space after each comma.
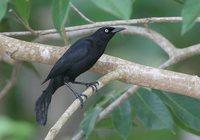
{"points": [[76, 104], [65, 37], [81, 14], [80, 135], [12, 81], [22, 22], [105, 23]]}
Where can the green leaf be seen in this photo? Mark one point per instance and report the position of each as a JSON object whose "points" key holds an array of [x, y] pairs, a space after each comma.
{"points": [[88, 123], [60, 10], [15, 129], [105, 123], [94, 136], [180, 1], [151, 111], [111, 97], [122, 119], [185, 108], [184, 126], [120, 8], [3, 7], [190, 12], [23, 8]]}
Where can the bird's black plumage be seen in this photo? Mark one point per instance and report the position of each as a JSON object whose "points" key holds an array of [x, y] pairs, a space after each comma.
{"points": [[80, 57]]}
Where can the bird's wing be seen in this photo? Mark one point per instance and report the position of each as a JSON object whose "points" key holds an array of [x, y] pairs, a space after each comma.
{"points": [[75, 53]]}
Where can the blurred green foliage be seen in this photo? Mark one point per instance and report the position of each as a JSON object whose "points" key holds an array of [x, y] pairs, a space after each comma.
{"points": [[122, 119], [190, 12], [60, 13], [23, 8], [120, 9], [3, 7], [151, 110], [14, 130], [149, 114]]}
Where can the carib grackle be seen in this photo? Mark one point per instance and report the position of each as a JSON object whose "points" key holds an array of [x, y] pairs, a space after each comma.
{"points": [[80, 57]]}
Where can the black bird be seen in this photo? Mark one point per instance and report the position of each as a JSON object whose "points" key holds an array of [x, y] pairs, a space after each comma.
{"points": [[80, 57]]}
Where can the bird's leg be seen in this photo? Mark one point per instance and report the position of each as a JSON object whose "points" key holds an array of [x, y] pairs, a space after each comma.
{"points": [[93, 85], [77, 95]]}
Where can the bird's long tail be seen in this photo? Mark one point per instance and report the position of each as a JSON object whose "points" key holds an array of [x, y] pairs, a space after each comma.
{"points": [[42, 103]]}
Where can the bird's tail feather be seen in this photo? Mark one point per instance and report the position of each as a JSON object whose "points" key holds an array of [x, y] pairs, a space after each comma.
{"points": [[42, 104]]}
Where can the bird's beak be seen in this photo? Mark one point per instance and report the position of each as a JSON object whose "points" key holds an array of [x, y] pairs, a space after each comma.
{"points": [[118, 29]]}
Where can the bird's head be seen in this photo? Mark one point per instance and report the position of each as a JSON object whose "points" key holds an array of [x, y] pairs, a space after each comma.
{"points": [[106, 33]]}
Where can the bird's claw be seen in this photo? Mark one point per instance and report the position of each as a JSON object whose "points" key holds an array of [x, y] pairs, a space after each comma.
{"points": [[93, 85], [79, 96]]}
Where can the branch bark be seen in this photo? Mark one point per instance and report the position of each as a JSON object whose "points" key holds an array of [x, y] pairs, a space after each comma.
{"points": [[135, 73]]}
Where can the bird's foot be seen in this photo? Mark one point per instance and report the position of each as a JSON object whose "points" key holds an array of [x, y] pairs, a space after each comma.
{"points": [[93, 85], [79, 96]]}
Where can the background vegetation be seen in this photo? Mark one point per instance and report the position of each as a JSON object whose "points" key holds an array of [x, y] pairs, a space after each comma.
{"points": [[149, 114]]}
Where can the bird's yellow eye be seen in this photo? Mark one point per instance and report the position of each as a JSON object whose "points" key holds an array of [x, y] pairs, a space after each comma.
{"points": [[106, 30]]}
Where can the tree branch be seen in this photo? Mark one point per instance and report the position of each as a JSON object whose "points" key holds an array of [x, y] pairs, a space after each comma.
{"points": [[136, 74], [105, 23], [76, 104]]}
